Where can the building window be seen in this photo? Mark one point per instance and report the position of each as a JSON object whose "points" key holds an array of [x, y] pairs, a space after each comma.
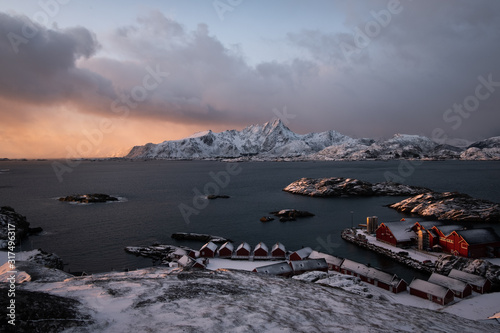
{"points": [[464, 245]]}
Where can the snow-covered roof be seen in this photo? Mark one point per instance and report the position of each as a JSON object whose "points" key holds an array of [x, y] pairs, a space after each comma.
{"points": [[429, 288], [354, 266], [329, 258], [401, 230], [309, 264], [304, 252], [185, 261], [275, 269], [227, 245], [381, 276], [245, 246], [261, 246], [278, 246], [472, 279], [479, 236], [429, 224], [448, 229], [210, 245], [370, 272], [447, 282]]}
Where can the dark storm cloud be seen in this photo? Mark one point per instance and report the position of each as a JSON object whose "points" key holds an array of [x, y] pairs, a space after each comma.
{"points": [[420, 62], [39, 64], [403, 78]]}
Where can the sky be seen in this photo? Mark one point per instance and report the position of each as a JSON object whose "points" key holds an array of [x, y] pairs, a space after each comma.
{"points": [[94, 78]]}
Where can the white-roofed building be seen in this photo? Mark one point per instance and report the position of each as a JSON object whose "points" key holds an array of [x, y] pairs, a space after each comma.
{"points": [[460, 289], [281, 269], [226, 250], [278, 250], [374, 276], [208, 250], [261, 251], [396, 233], [308, 265], [301, 254], [333, 262], [478, 283], [243, 251], [432, 292]]}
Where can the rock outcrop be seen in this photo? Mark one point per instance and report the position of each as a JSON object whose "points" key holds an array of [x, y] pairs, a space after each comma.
{"points": [[479, 267], [12, 221], [339, 187], [88, 198], [451, 206]]}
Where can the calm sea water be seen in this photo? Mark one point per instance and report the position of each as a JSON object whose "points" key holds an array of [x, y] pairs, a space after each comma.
{"points": [[92, 237]]}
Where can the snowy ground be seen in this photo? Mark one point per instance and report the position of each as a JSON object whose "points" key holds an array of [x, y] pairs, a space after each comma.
{"points": [[157, 298], [164, 300], [475, 307]]}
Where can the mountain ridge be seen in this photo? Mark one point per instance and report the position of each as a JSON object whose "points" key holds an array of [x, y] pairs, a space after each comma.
{"points": [[274, 140]]}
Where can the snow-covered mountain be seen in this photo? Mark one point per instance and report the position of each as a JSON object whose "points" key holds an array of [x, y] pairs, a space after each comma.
{"points": [[275, 140]]}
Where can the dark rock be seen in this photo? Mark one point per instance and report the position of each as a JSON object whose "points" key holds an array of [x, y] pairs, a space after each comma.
{"points": [[88, 198], [266, 219], [8, 216], [45, 313], [286, 215], [34, 231], [199, 237], [213, 196]]}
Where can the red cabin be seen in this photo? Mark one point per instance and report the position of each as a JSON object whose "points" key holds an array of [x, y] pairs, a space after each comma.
{"points": [[278, 251], [260, 251], [431, 291], [226, 250]]}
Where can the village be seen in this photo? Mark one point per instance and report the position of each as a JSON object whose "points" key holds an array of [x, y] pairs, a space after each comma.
{"points": [[398, 236]]}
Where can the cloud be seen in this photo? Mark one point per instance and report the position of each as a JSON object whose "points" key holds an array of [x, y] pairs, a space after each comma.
{"points": [[404, 77], [38, 65]]}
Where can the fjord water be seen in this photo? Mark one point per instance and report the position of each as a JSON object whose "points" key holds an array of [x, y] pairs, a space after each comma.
{"points": [[92, 237]]}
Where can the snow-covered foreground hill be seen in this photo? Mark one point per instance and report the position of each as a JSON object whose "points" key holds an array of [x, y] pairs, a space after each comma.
{"points": [[275, 140], [164, 300]]}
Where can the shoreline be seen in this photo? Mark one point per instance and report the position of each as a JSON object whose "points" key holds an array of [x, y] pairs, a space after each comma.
{"points": [[406, 260]]}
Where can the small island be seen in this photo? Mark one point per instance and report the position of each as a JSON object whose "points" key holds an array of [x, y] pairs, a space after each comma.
{"points": [[450, 206], [89, 198], [343, 187]]}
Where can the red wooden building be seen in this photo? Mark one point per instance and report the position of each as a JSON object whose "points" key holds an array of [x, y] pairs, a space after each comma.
{"points": [[243, 250], [378, 278], [301, 254], [478, 283], [261, 251], [226, 250], [333, 262], [278, 251], [471, 243], [460, 289], [396, 233], [208, 250], [431, 291]]}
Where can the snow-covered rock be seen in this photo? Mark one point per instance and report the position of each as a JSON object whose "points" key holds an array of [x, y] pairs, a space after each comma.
{"points": [[339, 186], [451, 206], [479, 267]]}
